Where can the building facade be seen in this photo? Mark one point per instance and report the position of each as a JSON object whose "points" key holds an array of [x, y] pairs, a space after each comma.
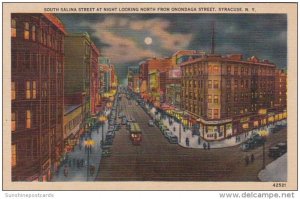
{"points": [[37, 95], [226, 96]]}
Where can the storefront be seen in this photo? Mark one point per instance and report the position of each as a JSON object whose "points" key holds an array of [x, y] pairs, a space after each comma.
{"points": [[215, 130]]}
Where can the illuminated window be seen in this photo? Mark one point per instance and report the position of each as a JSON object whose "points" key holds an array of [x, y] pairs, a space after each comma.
{"points": [[216, 84], [13, 28], [33, 33], [216, 69], [209, 83], [13, 155], [28, 89], [209, 99], [209, 113], [216, 113], [28, 119], [216, 99], [13, 121], [13, 90], [34, 90], [26, 30]]}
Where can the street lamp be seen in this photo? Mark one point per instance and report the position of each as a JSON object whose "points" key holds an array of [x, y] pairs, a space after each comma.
{"points": [[102, 120], [88, 146]]}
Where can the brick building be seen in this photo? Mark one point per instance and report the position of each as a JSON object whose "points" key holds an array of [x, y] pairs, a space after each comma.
{"points": [[37, 95], [226, 95]]}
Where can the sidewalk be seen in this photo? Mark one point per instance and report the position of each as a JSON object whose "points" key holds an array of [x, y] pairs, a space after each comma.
{"points": [[276, 171], [79, 153], [193, 139]]}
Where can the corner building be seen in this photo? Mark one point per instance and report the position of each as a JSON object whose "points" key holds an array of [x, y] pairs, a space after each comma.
{"points": [[37, 95], [227, 96]]}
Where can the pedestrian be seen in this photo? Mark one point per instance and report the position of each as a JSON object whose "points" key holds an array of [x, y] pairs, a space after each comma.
{"points": [[174, 128], [247, 160], [187, 142], [199, 140], [66, 171], [252, 158], [208, 146], [204, 145]]}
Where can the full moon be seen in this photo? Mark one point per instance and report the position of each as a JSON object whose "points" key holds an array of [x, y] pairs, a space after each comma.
{"points": [[148, 40]]}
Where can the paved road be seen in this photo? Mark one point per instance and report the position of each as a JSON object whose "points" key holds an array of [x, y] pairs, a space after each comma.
{"points": [[157, 160]]}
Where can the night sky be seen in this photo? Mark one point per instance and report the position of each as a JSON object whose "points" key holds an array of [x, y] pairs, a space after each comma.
{"points": [[122, 36]]}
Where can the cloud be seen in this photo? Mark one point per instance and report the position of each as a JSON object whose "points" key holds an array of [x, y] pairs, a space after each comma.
{"points": [[124, 38], [158, 28]]}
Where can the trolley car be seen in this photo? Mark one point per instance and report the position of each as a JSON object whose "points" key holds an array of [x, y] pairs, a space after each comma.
{"points": [[135, 133]]}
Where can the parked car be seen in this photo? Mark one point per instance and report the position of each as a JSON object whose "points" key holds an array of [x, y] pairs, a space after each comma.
{"points": [[173, 139], [274, 152], [163, 129], [106, 153], [151, 123], [167, 133], [282, 147]]}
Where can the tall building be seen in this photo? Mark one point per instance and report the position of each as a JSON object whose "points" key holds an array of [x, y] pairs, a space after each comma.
{"points": [[81, 72], [173, 87], [37, 95], [149, 66], [280, 89], [227, 95]]}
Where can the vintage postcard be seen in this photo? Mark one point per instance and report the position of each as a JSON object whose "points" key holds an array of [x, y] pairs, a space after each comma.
{"points": [[150, 96]]}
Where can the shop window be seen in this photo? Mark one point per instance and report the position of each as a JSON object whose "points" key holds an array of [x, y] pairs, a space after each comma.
{"points": [[14, 155], [28, 119], [13, 122], [13, 90], [13, 28], [26, 30]]}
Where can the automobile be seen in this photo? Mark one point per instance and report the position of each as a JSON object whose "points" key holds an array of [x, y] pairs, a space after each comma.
{"points": [[150, 123], [163, 128], [258, 140], [110, 135], [124, 121], [274, 152], [108, 141], [173, 139], [248, 145], [106, 153], [167, 133], [282, 147]]}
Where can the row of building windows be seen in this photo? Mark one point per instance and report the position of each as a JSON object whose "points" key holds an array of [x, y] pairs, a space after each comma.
{"points": [[214, 84], [30, 61], [230, 70], [30, 31], [31, 89]]}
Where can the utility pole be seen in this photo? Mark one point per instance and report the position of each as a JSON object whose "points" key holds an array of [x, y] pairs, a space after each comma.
{"points": [[213, 38]]}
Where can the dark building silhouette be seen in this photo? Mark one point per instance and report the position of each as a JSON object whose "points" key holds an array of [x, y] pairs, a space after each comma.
{"points": [[37, 76]]}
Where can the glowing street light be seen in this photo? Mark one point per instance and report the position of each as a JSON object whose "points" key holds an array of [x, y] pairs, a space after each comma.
{"points": [[102, 120], [88, 146]]}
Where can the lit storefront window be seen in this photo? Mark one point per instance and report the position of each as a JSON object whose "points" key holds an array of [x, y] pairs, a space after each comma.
{"points": [[245, 126]]}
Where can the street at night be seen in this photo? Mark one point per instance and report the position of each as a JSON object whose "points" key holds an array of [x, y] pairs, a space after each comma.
{"points": [[158, 160]]}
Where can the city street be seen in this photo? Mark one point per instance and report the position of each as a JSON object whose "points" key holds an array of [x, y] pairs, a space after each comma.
{"points": [[158, 160]]}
